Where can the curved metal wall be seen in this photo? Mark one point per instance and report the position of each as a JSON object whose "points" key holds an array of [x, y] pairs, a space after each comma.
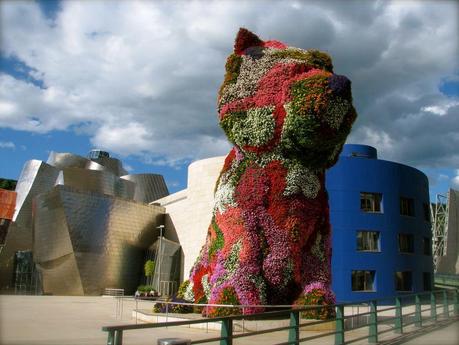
{"points": [[62, 160], [86, 242], [104, 182], [148, 187], [36, 177], [112, 164], [358, 171]]}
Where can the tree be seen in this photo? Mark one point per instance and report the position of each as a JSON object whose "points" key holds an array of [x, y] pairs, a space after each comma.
{"points": [[149, 269]]}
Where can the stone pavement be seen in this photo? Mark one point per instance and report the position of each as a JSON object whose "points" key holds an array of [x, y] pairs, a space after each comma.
{"points": [[60, 320]]}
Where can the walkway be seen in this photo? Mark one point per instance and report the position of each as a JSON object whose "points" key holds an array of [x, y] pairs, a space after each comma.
{"points": [[59, 320]]}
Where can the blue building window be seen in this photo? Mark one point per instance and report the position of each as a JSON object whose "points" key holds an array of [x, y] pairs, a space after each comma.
{"points": [[363, 280], [370, 202], [403, 281], [368, 241], [406, 243], [407, 207]]}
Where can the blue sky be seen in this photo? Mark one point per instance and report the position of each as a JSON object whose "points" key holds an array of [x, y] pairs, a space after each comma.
{"points": [[139, 79]]}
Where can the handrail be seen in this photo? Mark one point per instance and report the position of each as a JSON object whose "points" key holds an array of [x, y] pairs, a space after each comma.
{"points": [[115, 332]]}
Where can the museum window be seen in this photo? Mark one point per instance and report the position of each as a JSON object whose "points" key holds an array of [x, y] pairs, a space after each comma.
{"points": [[426, 246], [368, 241], [363, 280], [370, 202], [426, 209], [407, 207], [427, 281], [403, 281], [405, 243]]}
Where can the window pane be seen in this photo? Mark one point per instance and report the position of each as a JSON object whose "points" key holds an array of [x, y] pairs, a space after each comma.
{"points": [[368, 241], [403, 281], [370, 202], [407, 206], [363, 280], [405, 243]]}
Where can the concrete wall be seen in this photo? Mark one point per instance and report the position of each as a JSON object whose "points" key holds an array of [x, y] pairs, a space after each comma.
{"points": [[189, 211]]}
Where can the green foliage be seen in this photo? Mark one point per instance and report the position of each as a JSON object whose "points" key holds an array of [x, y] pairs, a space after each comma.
{"points": [[145, 288], [182, 289], [236, 176], [149, 268], [218, 242], [230, 121], [7, 184], [315, 297], [228, 296], [233, 66]]}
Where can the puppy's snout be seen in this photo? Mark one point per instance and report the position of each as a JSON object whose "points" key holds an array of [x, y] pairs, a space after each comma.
{"points": [[340, 85]]}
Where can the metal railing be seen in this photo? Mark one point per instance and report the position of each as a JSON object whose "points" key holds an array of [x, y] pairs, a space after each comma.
{"points": [[113, 292], [446, 280], [377, 319]]}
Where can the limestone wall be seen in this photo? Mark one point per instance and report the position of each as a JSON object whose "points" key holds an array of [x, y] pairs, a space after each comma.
{"points": [[189, 211]]}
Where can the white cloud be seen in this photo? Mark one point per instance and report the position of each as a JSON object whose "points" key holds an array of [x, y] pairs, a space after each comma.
{"points": [[379, 139], [441, 109], [7, 145], [143, 76], [455, 181]]}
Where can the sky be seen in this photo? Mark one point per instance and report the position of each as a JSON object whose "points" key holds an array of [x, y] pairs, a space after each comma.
{"points": [[139, 78]]}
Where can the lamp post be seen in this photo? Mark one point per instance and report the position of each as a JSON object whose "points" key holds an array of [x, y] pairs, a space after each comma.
{"points": [[160, 261]]}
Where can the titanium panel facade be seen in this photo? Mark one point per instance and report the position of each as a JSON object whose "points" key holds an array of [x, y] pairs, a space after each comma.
{"points": [[148, 187], [111, 164], [104, 182], [93, 241], [61, 160], [36, 177]]}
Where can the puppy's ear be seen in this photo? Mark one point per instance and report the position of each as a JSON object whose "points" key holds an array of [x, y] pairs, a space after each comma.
{"points": [[244, 40]]}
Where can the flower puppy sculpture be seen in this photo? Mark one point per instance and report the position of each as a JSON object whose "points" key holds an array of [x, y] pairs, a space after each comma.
{"points": [[288, 117]]}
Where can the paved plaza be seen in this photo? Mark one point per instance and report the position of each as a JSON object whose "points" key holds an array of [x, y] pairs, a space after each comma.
{"points": [[59, 320]]}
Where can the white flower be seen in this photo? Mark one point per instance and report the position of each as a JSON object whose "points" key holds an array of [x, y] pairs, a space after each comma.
{"points": [[224, 197], [232, 262], [206, 285], [189, 294], [257, 128], [301, 180]]}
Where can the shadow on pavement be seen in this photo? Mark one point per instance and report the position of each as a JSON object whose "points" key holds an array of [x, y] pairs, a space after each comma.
{"points": [[402, 339]]}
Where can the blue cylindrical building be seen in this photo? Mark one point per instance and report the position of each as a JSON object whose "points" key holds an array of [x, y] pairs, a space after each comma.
{"points": [[380, 216]]}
